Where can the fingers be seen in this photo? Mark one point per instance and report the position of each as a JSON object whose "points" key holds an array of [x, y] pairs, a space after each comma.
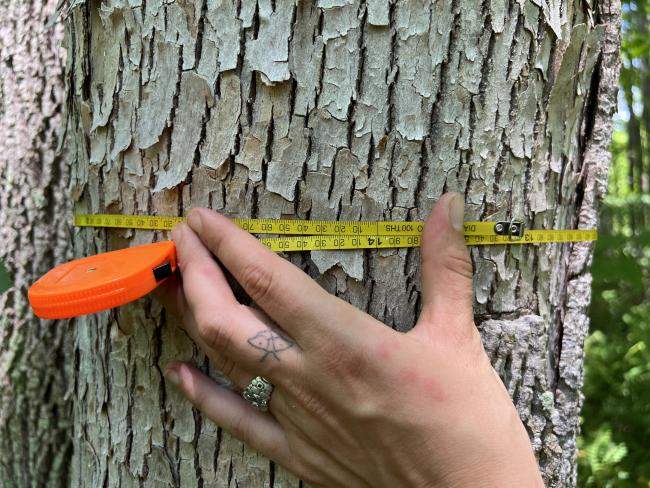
{"points": [[220, 325], [228, 410], [203, 280], [171, 295], [283, 291], [446, 265]]}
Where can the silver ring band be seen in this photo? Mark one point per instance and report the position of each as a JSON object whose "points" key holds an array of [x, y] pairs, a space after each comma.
{"points": [[258, 393]]}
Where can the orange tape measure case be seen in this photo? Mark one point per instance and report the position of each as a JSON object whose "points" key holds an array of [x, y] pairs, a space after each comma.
{"points": [[102, 281]]}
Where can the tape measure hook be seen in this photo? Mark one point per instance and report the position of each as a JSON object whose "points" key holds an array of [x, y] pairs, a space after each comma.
{"points": [[514, 229]]}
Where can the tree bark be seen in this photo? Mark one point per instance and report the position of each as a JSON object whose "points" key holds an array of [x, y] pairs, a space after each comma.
{"points": [[337, 110], [35, 420]]}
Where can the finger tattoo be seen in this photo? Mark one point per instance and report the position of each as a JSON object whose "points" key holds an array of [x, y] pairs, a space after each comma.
{"points": [[271, 343]]}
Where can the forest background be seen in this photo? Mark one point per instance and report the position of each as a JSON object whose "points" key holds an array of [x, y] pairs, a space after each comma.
{"points": [[616, 415]]}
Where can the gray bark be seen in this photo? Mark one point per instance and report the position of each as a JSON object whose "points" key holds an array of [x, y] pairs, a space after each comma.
{"points": [[338, 109], [35, 420]]}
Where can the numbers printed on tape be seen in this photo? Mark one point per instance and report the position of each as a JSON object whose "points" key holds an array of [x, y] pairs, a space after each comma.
{"points": [[311, 235], [260, 226], [317, 243]]}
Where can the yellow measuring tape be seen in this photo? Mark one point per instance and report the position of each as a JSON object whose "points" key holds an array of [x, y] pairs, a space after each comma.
{"points": [[312, 235]]}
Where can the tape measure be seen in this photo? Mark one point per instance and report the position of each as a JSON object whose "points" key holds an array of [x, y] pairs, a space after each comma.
{"points": [[102, 281], [114, 278], [316, 235]]}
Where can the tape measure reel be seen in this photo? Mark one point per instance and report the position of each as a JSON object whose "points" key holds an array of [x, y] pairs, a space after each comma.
{"points": [[102, 281], [110, 279]]}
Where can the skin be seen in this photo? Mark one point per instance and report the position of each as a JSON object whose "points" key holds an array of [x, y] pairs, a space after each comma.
{"points": [[355, 404]]}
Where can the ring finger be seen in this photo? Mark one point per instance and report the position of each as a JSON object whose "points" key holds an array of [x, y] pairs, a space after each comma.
{"points": [[230, 333], [172, 296]]}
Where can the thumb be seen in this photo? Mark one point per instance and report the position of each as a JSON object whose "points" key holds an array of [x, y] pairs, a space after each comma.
{"points": [[446, 266]]}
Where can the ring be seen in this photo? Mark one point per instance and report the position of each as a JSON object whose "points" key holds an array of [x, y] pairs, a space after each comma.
{"points": [[258, 393]]}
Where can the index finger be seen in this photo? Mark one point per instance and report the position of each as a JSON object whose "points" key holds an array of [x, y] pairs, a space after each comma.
{"points": [[290, 297]]}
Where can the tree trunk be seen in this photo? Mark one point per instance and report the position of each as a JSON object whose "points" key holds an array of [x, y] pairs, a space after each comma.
{"points": [[337, 110], [35, 442]]}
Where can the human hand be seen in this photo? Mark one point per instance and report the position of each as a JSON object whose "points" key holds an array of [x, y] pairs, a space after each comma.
{"points": [[355, 404]]}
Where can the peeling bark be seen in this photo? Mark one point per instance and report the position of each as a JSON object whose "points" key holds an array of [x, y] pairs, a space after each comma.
{"points": [[337, 109], [35, 420]]}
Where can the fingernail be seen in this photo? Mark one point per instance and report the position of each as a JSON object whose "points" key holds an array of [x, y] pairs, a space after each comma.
{"points": [[194, 221], [172, 376], [457, 211]]}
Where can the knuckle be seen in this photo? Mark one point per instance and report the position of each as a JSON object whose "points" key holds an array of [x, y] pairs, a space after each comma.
{"points": [[338, 360], [240, 428], [200, 399], [369, 412], [216, 336], [459, 263], [257, 281], [227, 367]]}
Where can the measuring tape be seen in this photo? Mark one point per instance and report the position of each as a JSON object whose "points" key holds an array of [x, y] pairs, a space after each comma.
{"points": [[110, 279], [314, 235]]}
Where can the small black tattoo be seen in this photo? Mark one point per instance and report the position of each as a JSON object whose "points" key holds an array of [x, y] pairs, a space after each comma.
{"points": [[270, 342]]}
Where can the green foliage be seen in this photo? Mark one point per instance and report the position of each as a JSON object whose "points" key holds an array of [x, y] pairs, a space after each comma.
{"points": [[618, 179], [635, 43], [5, 280], [615, 441], [602, 458], [614, 448]]}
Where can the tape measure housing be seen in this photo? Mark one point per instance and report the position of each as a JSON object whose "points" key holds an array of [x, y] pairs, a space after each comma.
{"points": [[102, 281]]}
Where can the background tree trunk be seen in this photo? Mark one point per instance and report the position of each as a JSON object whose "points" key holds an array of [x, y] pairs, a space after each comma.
{"points": [[337, 110], [35, 444]]}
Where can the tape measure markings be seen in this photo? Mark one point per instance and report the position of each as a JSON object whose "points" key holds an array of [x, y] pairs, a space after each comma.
{"points": [[279, 226], [260, 226], [322, 243], [310, 235]]}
